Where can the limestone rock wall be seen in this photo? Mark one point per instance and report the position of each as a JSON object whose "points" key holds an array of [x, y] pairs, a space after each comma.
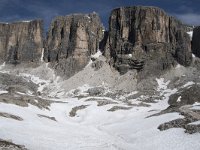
{"points": [[146, 38], [142, 38], [21, 41], [71, 40]]}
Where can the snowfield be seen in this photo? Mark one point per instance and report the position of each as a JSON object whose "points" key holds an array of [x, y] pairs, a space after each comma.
{"points": [[93, 128], [79, 123]]}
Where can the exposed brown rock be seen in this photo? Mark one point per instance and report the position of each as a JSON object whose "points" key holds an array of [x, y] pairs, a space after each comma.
{"points": [[146, 38], [74, 110], [11, 116], [21, 41], [8, 145], [71, 41]]}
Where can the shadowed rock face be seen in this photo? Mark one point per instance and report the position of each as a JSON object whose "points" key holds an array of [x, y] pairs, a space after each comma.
{"points": [[71, 40], [146, 38], [196, 41], [21, 41]]}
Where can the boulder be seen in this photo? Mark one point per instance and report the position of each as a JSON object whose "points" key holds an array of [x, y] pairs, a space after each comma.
{"points": [[96, 91], [185, 96]]}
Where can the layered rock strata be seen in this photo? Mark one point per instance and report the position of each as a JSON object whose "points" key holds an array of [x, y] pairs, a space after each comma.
{"points": [[71, 40], [21, 41], [146, 38]]}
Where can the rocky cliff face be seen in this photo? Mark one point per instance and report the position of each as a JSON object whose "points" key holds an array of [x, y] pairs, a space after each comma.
{"points": [[146, 38], [196, 41], [21, 41], [142, 38], [71, 40]]}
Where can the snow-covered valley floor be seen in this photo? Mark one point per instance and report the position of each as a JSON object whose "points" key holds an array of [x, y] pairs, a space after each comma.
{"points": [[92, 126]]}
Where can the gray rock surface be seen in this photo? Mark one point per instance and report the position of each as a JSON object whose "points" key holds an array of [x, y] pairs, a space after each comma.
{"points": [[186, 96], [146, 38], [7, 145], [196, 41], [71, 40], [96, 91], [21, 41]]}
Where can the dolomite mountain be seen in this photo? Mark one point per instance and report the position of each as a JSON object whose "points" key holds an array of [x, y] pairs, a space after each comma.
{"points": [[21, 41], [71, 41], [80, 87], [146, 38], [140, 38]]}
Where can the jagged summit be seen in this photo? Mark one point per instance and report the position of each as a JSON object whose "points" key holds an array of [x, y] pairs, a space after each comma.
{"points": [[138, 7], [140, 38]]}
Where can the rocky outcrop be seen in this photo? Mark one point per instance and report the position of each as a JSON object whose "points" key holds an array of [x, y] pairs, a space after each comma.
{"points": [[8, 145], [185, 96], [146, 38], [21, 41], [196, 41], [71, 40]]}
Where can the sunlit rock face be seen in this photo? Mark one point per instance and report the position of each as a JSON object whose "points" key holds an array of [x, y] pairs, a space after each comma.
{"points": [[146, 38], [71, 40], [21, 41]]}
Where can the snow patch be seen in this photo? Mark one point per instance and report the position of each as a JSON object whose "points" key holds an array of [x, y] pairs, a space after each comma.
{"points": [[26, 21], [97, 54], [190, 33], [42, 56], [2, 66], [3, 92], [161, 84], [178, 66], [195, 123], [188, 84], [179, 99]]}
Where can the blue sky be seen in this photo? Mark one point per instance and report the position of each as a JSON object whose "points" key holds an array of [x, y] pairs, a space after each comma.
{"points": [[12, 10]]}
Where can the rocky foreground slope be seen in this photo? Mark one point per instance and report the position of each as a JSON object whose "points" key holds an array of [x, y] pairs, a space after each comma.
{"points": [[83, 88]]}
